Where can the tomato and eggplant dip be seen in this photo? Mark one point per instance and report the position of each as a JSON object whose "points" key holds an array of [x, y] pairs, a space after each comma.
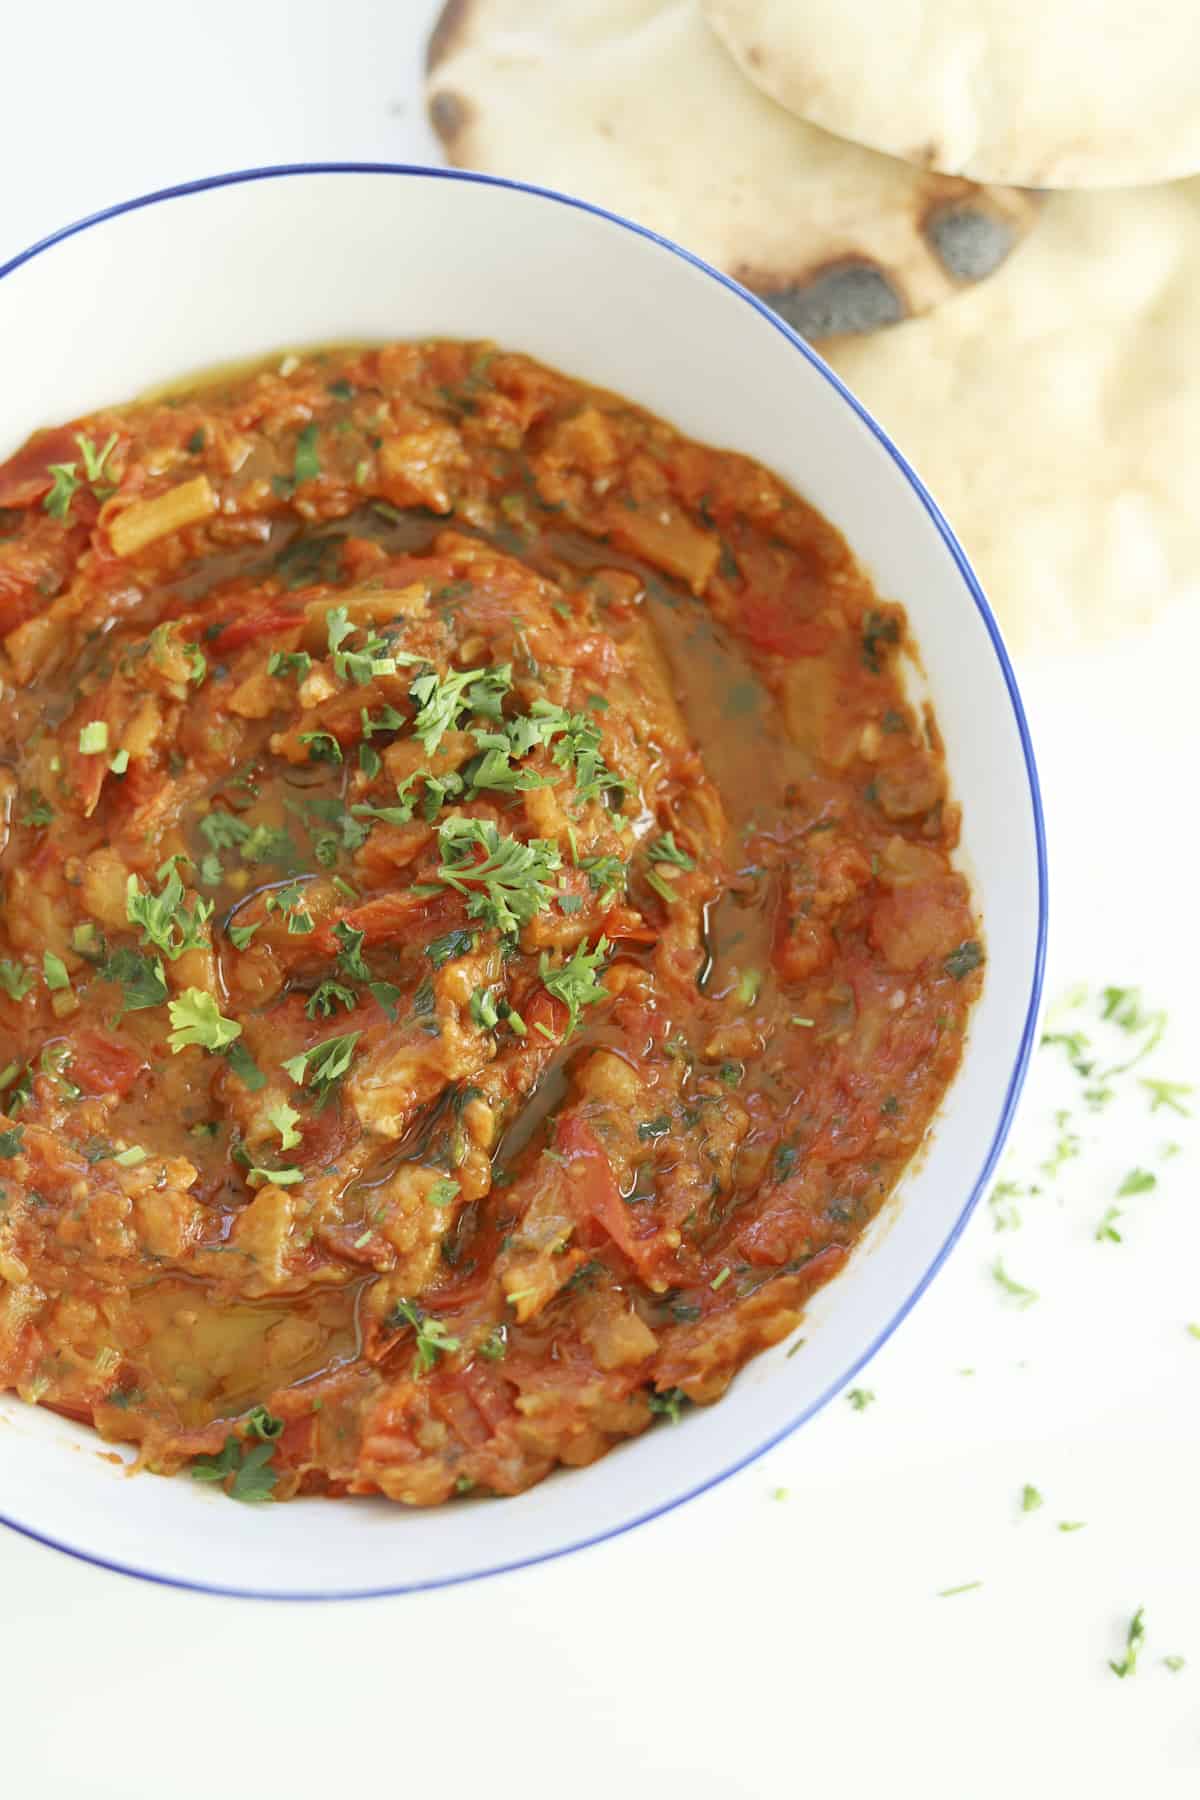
{"points": [[478, 937]]}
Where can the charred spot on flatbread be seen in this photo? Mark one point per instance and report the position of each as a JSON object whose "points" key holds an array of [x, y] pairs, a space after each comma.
{"points": [[968, 240], [449, 114], [842, 299]]}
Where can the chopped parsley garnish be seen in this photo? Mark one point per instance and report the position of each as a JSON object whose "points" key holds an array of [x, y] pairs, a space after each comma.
{"points": [[164, 918], [289, 662], [877, 629], [243, 1065], [326, 999], [666, 850], [240, 936], [94, 460], [38, 811], [494, 1347], [1168, 1093], [1024, 1296], [661, 886], [290, 902], [654, 1128], [749, 985], [1106, 1230], [433, 1340], [350, 957], [284, 1178], [575, 982], [1138, 1181], [93, 738], [223, 830], [66, 485], [285, 1119], [10, 1141], [512, 874], [197, 1021], [323, 1065], [307, 464], [447, 948], [861, 1398], [670, 1403], [375, 656], [960, 962], [1031, 1499], [322, 746], [443, 1192], [54, 971], [1134, 1638], [442, 699], [15, 979], [242, 1469], [140, 978]]}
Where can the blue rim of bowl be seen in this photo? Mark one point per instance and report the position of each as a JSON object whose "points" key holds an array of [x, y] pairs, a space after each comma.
{"points": [[1025, 1049]]}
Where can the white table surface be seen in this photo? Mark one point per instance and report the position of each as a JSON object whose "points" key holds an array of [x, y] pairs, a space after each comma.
{"points": [[746, 1645]]}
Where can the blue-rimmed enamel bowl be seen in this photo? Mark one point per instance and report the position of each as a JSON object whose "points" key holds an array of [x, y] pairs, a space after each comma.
{"points": [[244, 264]]}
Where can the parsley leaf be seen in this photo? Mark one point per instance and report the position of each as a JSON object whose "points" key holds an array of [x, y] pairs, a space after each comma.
{"points": [[326, 999], [350, 957], [66, 485], [1134, 1638], [432, 1339], [322, 746], [442, 950], [512, 874], [575, 982], [197, 1021], [670, 1403], [960, 962], [285, 1118], [666, 850], [252, 1480], [223, 830], [325, 1064], [140, 977], [165, 920], [10, 1141], [442, 699]]}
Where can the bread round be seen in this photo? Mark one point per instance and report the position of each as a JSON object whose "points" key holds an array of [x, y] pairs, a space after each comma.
{"points": [[634, 104], [1053, 413], [1044, 93]]}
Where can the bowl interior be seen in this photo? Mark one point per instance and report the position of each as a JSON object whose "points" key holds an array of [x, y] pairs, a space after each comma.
{"points": [[231, 270]]}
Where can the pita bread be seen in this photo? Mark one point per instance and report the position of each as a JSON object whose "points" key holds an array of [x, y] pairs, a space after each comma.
{"points": [[634, 104], [1045, 93], [1054, 414]]}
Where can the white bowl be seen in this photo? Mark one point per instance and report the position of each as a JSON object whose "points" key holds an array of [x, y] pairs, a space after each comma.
{"points": [[250, 263]]}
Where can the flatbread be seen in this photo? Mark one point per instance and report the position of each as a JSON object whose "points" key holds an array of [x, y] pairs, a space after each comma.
{"points": [[634, 104], [1046, 93], [1053, 413]]}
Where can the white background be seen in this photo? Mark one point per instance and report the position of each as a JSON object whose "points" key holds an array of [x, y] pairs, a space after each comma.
{"points": [[748, 1645]]}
